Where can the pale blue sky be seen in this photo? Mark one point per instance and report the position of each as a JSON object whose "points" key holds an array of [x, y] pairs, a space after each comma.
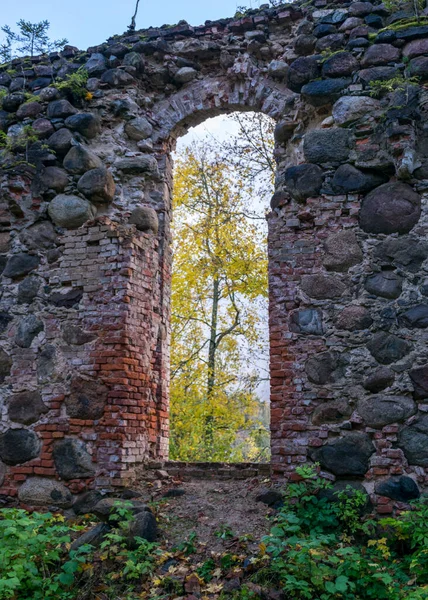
{"points": [[90, 22]]}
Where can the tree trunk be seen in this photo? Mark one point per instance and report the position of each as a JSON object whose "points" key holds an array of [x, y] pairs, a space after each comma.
{"points": [[209, 418]]}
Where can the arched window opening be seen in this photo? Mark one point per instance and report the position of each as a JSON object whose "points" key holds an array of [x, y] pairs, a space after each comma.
{"points": [[219, 399]]}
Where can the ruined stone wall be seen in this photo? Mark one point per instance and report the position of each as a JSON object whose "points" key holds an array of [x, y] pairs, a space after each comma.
{"points": [[85, 253]]}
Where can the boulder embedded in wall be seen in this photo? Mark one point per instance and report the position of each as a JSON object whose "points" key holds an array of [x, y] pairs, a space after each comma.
{"points": [[72, 460], [18, 446], [416, 48], [26, 407], [5, 365], [2, 473], [39, 491], [348, 179], [4, 242], [341, 64], [379, 380], [378, 411], [46, 364], [67, 299], [303, 181], [96, 65], [342, 251], [138, 165], [385, 284], [348, 455], [387, 348], [98, 185], [28, 290], [325, 91], [86, 502], [278, 69], [391, 208], [87, 399], [416, 317], [138, 129], [331, 412], [70, 211], [20, 264], [327, 146], [322, 287], [28, 328], [145, 218], [184, 75], [86, 124], [79, 160], [380, 54], [117, 78], [402, 489], [52, 178], [406, 252], [60, 141], [60, 109], [302, 71], [284, 131], [321, 367], [354, 318], [418, 67], [351, 108], [75, 335], [307, 320], [419, 378], [29, 110], [413, 440]]}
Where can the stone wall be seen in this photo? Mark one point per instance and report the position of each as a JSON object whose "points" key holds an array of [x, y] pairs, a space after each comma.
{"points": [[85, 251]]}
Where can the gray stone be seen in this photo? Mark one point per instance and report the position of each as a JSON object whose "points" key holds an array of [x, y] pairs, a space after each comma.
{"points": [[79, 160], [402, 489], [60, 109], [12, 102], [46, 364], [4, 242], [278, 69], [138, 129], [39, 491], [332, 42], [349, 486], [342, 251], [413, 440], [270, 497], [60, 141], [419, 378], [416, 48], [96, 65], [348, 179], [302, 71], [117, 78], [325, 91], [418, 67], [20, 264], [341, 64], [18, 446], [70, 211], [76, 336], [378, 411], [391, 208], [143, 526], [284, 131], [327, 146], [303, 181], [68, 299], [43, 128], [26, 407], [5, 365], [349, 109], [86, 502], [87, 399], [322, 287], [135, 61], [53, 178], [380, 54], [416, 317], [5, 320], [361, 9], [321, 367], [379, 380], [348, 455], [72, 460], [30, 110], [138, 165], [331, 412], [145, 218], [377, 74], [94, 536], [387, 348], [185, 74], [86, 124], [3, 469], [405, 252], [385, 284], [98, 185], [354, 318], [106, 509], [40, 236], [28, 328], [307, 320]]}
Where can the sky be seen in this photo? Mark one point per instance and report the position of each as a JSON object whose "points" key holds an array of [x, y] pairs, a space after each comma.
{"points": [[90, 22]]}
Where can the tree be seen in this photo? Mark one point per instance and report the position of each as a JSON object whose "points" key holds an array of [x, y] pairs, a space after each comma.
{"points": [[31, 39], [219, 283]]}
